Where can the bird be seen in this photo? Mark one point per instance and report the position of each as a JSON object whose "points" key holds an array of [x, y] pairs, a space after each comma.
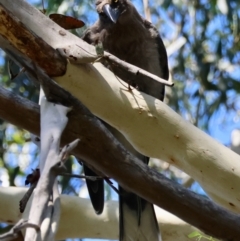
{"points": [[123, 32]]}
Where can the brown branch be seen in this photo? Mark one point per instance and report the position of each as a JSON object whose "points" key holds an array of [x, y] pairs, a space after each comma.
{"points": [[96, 147]]}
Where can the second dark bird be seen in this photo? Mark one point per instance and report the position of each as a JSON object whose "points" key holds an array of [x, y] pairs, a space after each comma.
{"points": [[125, 34]]}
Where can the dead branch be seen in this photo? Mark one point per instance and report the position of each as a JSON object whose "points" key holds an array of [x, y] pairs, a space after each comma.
{"points": [[45, 206], [72, 53]]}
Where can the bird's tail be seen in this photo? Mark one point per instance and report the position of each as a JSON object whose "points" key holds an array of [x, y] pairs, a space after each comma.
{"points": [[137, 218]]}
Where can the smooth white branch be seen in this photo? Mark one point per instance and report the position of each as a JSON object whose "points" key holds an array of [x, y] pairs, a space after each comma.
{"points": [[45, 206], [157, 131], [78, 219], [152, 127]]}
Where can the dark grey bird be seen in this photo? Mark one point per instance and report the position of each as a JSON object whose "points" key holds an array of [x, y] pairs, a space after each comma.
{"points": [[125, 34]]}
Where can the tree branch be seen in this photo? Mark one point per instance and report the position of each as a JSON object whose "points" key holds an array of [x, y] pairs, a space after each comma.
{"points": [[191, 207], [72, 53], [45, 207], [34, 47], [161, 130], [153, 128], [89, 225]]}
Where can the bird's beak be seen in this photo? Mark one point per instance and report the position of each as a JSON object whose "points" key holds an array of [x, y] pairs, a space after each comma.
{"points": [[112, 13]]}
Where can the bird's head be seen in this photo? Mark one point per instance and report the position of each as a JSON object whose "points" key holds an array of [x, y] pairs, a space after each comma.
{"points": [[113, 10]]}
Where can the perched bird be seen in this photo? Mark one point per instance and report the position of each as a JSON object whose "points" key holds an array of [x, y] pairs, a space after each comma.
{"points": [[125, 34]]}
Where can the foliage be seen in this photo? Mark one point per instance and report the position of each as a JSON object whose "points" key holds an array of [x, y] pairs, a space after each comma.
{"points": [[205, 68], [198, 236]]}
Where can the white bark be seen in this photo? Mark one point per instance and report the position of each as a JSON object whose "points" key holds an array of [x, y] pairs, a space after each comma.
{"points": [[78, 219], [152, 127], [45, 206], [157, 131]]}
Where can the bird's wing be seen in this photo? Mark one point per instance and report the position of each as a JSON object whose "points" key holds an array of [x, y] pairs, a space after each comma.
{"points": [[162, 53]]}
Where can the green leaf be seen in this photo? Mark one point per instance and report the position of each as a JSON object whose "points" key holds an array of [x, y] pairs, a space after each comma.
{"points": [[194, 234]]}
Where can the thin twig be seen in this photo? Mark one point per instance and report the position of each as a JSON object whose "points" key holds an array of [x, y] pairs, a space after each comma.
{"points": [[81, 176], [73, 56], [108, 181], [135, 70]]}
